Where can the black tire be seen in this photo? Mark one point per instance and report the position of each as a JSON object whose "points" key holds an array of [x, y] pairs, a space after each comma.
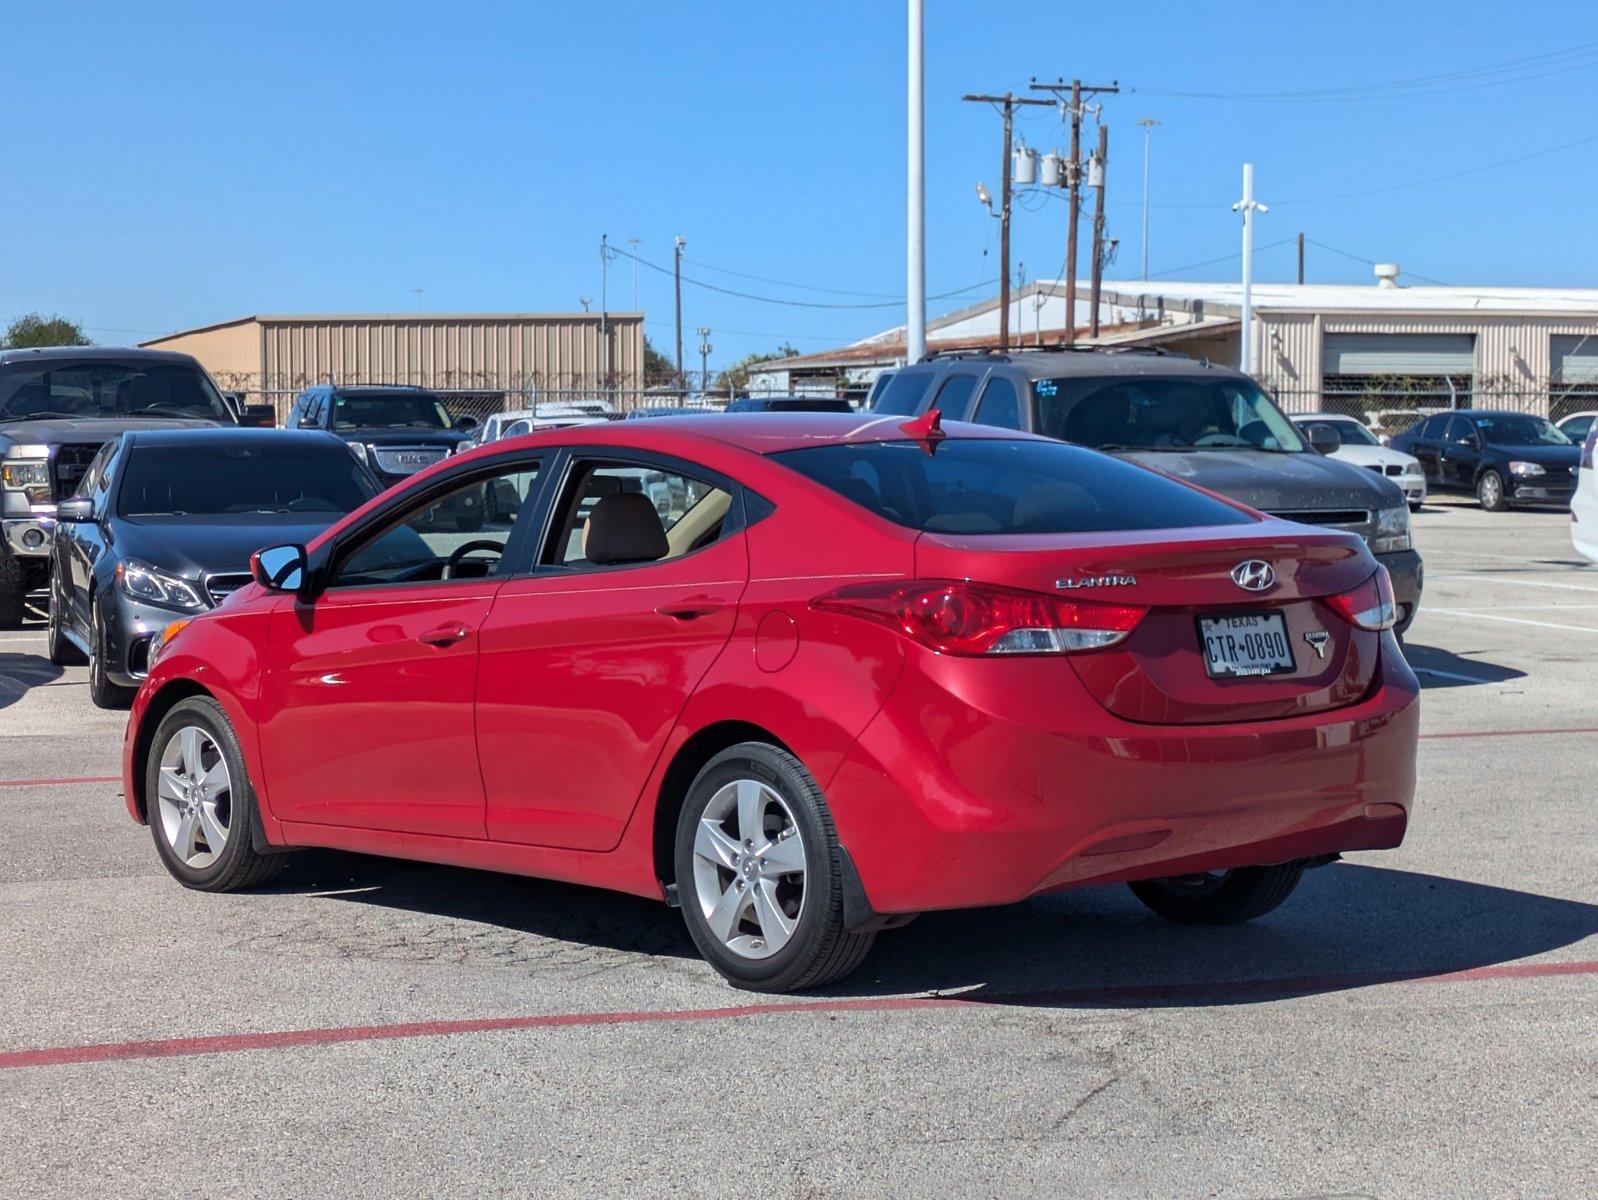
{"points": [[820, 950], [239, 865], [13, 590], [1220, 897], [102, 692], [1415, 506], [61, 652], [1490, 492]]}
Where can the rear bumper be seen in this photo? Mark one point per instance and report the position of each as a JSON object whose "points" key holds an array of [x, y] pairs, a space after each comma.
{"points": [[1408, 574], [961, 796]]}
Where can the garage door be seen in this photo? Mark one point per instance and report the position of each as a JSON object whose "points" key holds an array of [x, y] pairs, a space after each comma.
{"points": [[1400, 354], [1575, 357]]}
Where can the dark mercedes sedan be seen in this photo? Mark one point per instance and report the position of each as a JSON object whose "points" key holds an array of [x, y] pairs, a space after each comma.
{"points": [[1504, 457], [163, 526]]}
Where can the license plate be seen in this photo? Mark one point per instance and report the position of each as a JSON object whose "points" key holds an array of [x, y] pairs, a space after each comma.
{"points": [[1245, 644]]}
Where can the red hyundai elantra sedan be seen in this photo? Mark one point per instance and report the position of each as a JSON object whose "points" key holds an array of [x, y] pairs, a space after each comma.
{"points": [[805, 676]]}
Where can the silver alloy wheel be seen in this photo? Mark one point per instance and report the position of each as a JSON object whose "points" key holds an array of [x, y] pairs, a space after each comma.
{"points": [[749, 869], [1491, 488], [195, 796]]}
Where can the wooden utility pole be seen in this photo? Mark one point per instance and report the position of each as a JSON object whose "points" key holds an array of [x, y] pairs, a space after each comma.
{"points": [[1009, 103], [1103, 158], [1073, 170]]}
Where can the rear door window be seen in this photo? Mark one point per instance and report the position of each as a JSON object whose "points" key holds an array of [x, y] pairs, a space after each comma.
{"points": [[954, 396], [1000, 405], [902, 397], [999, 485]]}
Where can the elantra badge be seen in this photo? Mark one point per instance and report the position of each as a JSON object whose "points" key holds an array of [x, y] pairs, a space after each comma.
{"points": [[1317, 639], [1253, 575], [1094, 581]]}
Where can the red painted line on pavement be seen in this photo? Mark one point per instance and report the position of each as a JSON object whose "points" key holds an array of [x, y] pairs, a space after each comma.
{"points": [[1476, 733], [62, 780], [1170, 993]]}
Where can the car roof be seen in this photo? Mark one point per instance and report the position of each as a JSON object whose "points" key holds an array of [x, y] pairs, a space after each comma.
{"points": [[231, 435], [1088, 362], [91, 354], [371, 389], [758, 432]]}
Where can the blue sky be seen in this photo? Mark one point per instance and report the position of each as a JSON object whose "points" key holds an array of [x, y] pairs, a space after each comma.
{"points": [[169, 165]]}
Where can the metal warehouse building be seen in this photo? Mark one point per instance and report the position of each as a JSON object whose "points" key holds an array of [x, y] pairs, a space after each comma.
{"points": [[1347, 347], [481, 362]]}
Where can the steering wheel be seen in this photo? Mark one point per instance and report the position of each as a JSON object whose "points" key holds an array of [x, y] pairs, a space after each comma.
{"points": [[456, 555]]}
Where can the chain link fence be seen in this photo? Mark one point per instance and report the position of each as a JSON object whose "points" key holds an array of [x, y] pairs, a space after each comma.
{"points": [[479, 403], [1392, 406]]}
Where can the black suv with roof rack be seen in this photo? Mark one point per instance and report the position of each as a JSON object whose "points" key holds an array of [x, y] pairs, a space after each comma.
{"points": [[1198, 422], [58, 406]]}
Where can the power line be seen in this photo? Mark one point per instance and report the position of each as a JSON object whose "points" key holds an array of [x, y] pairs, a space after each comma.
{"points": [[1494, 166], [1371, 262], [1519, 70], [711, 287], [1208, 262], [805, 287]]}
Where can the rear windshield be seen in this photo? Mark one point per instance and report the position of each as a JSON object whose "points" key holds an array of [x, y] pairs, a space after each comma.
{"points": [[1142, 413], [210, 480], [136, 388], [903, 394], [1003, 486], [399, 410]]}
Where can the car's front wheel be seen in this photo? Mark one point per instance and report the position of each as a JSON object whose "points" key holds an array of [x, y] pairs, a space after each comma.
{"points": [[199, 801], [1219, 897], [760, 873], [102, 691], [1490, 491]]}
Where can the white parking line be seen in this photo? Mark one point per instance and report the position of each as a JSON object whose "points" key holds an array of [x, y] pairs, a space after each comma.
{"points": [[1481, 616], [1567, 587], [1436, 674]]}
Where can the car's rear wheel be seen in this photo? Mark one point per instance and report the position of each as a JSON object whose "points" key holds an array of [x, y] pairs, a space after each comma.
{"points": [[199, 801], [102, 691], [760, 873], [1490, 491], [1219, 897]]}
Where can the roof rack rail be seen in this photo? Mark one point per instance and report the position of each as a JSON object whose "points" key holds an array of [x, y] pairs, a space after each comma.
{"points": [[930, 355]]}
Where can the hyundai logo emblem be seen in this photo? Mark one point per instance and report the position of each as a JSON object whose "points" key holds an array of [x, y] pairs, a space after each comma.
{"points": [[1254, 575]]}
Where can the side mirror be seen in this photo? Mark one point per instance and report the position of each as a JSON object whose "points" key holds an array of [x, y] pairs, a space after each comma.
{"points": [[465, 422], [258, 416], [74, 511], [1324, 439], [280, 568]]}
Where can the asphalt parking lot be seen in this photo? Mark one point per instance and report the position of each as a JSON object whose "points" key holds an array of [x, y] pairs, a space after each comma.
{"points": [[1417, 1022]]}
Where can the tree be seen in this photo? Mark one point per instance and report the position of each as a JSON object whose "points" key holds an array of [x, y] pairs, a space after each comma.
{"points": [[736, 376], [31, 330], [658, 369]]}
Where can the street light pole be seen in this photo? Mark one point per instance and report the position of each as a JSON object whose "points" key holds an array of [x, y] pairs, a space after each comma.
{"points": [[915, 282], [704, 359], [1147, 124], [677, 279], [1248, 206]]}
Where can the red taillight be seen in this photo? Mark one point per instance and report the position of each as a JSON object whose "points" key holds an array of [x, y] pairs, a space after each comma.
{"points": [[956, 617], [1370, 605]]}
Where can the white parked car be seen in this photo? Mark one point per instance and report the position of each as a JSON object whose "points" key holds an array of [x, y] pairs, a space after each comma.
{"points": [[525, 420], [1577, 426], [1584, 503], [1360, 447]]}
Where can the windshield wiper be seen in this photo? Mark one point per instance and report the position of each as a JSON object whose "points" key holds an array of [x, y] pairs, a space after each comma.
{"points": [[45, 416]]}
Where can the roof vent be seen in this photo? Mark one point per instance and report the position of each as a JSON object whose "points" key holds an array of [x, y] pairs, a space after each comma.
{"points": [[1386, 275]]}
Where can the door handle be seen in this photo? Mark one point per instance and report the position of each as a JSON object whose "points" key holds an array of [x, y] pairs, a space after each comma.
{"points": [[692, 608], [444, 635]]}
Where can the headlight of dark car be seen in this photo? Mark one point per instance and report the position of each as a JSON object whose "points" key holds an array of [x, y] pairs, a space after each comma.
{"points": [[1392, 530], [144, 582]]}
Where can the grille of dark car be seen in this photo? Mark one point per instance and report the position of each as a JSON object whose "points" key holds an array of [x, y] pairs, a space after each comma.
{"points": [[1341, 518], [406, 460], [222, 585], [71, 465]]}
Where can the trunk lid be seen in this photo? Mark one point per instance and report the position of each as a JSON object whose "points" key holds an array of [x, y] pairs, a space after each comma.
{"points": [[1158, 674]]}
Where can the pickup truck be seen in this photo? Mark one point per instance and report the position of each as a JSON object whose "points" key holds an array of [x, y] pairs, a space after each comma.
{"points": [[58, 406]]}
